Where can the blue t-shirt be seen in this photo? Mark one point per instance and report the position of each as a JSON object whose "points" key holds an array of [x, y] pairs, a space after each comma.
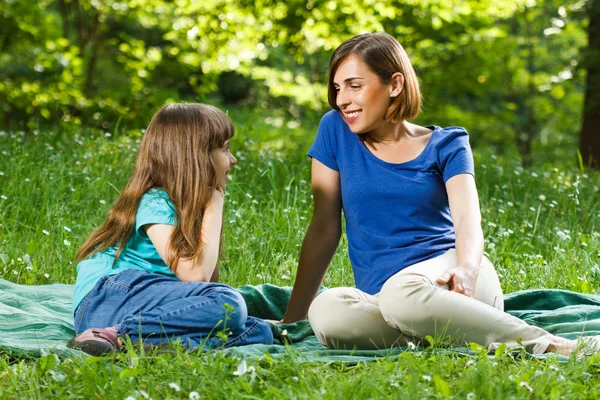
{"points": [[139, 253], [396, 214]]}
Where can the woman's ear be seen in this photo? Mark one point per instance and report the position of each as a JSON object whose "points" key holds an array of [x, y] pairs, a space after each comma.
{"points": [[396, 84]]}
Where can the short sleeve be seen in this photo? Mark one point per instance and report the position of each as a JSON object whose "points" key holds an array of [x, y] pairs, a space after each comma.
{"points": [[324, 147], [155, 208], [455, 156]]}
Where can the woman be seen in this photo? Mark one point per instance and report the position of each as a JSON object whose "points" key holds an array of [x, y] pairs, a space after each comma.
{"points": [[412, 219]]}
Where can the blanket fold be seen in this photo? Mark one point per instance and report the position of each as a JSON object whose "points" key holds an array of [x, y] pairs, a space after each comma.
{"points": [[35, 320]]}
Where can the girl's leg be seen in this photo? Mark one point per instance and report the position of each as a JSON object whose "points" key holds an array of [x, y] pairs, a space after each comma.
{"points": [[158, 309], [413, 302], [347, 318]]}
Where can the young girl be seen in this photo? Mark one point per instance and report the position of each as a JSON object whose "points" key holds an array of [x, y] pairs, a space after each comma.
{"points": [[412, 218], [149, 272]]}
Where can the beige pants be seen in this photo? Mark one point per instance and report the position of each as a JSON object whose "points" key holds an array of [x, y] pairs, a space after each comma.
{"points": [[412, 305]]}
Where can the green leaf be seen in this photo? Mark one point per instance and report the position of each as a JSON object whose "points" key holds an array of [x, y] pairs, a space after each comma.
{"points": [[130, 372], [48, 362], [476, 347], [501, 350], [441, 386], [430, 340]]}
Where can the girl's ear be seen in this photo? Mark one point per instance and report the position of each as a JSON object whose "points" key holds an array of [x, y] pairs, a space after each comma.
{"points": [[396, 84]]}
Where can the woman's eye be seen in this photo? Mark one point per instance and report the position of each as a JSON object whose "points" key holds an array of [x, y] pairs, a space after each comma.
{"points": [[355, 87]]}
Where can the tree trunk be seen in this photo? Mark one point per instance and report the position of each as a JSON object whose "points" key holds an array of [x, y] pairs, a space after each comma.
{"points": [[93, 60], [64, 14], [529, 132], [589, 144]]}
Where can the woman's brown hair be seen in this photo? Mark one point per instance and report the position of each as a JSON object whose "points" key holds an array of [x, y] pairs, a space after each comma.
{"points": [[173, 156], [384, 56]]}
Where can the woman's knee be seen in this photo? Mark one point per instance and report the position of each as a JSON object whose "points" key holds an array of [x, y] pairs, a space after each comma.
{"points": [[402, 301], [488, 289], [328, 311]]}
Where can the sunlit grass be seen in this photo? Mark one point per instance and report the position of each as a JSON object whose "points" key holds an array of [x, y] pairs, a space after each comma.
{"points": [[542, 227]]}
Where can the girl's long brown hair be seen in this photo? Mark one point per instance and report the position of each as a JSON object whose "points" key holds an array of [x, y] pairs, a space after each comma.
{"points": [[174, 155]]}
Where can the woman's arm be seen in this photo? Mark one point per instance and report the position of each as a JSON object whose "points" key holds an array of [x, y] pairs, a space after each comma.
{"points": [[190, 270], [320, 242], [466, 216]]}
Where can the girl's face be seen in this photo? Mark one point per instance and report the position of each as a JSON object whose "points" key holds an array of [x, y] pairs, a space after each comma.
{"points": [[222, 160], [361, 97]]}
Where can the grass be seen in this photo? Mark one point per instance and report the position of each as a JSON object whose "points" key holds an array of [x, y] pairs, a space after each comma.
{"points": [[541, 225]]}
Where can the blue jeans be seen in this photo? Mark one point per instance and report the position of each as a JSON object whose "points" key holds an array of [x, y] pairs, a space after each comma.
{"points": [[156, 309]]}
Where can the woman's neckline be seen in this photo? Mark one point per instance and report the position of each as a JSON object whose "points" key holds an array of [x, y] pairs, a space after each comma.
{"points": [[370, 154]]}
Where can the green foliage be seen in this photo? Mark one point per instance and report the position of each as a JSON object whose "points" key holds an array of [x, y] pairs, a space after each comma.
{"points": [[508, 71]]}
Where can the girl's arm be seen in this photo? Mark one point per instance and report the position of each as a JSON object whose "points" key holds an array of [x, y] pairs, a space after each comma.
{"points": [[320, 241], [190, 270], [466, 216]]}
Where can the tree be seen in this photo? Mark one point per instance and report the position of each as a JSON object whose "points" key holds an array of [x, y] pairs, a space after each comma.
{"points": [[589, 145]]}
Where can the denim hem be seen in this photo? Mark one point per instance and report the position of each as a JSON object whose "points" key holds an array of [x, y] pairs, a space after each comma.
{"points": [[246, 334]]}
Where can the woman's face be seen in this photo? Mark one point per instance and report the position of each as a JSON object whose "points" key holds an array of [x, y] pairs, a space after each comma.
{"points": [[361, 97], [222, 160]]}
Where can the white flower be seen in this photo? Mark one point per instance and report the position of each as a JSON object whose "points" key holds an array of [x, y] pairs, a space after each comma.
{"points": [[66, 242], [102, 201], [3, 197], [174, 386], [194, 396], [542, 197], [427, 378], [563, 235], [242, 368], [411, 346], [45, 232], [284, 332], [66, 228], [46, 276], [295, 378], [526, 385]]}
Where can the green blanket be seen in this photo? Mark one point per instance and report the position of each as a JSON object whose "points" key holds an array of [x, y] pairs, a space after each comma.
{"points": [[37, 319]]}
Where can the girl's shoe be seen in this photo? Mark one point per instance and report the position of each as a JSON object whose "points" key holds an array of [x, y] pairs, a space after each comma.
{"points": [[96, 341]]}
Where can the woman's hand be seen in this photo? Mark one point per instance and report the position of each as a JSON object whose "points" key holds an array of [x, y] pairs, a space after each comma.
{"points": [[460, 279]]}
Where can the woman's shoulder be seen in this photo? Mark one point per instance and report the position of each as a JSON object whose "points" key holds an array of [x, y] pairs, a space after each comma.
{"points": [[443, 136], [332, 117]]}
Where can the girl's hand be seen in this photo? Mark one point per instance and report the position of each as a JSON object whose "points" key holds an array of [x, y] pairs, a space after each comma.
{"points": [[460, 279]]}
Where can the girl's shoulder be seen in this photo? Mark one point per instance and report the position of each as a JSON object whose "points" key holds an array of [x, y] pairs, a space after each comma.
{"points": [[155, 196]]}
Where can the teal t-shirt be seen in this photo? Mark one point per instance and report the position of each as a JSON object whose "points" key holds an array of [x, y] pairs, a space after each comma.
{"points": [[139, 253]]}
